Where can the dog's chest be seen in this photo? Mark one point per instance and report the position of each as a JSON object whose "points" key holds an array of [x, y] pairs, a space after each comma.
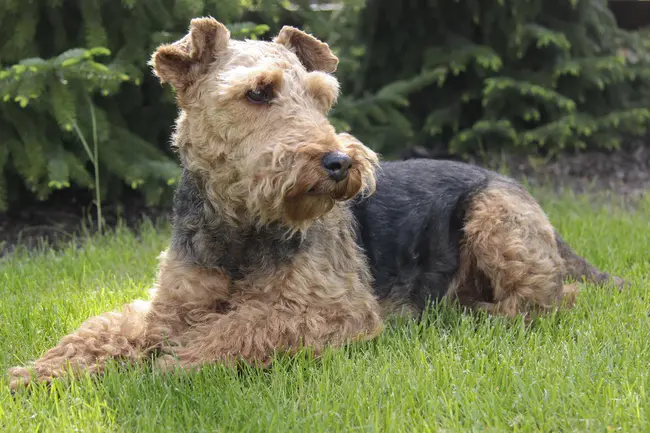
{"points": [[237, 251], [241, 251], [203, 237]]}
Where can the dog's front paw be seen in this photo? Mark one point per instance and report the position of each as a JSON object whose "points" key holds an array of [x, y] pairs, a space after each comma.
{"points": [[19, 377]]}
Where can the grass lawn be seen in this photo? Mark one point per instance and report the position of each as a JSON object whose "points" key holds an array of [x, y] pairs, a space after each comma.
{"points": [[583, 370]]}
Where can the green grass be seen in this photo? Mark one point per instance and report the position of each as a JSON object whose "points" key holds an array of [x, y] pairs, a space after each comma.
{"points": [[583, 370]]}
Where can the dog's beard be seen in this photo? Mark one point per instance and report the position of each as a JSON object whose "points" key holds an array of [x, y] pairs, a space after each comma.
{"points": [[307, 208], [313, 195], [297, 190]]}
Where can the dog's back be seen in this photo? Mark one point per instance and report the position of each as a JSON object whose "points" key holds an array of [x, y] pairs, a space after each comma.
{"points": [[414, 228], [410, 228]]}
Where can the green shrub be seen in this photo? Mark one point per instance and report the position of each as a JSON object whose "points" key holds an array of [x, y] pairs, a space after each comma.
{"points": [[75, 72], [461, 76], [533, 75]]}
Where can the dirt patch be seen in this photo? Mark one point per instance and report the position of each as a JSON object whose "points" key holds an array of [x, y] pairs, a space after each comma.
{"points": [[68, 216], [624, 173]]}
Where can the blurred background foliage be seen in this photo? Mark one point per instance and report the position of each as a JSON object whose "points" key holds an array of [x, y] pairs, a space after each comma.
{"points": [[81, 110]]}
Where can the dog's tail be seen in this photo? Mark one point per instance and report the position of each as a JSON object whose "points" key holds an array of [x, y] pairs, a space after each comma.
{"points": [[579, 269]]}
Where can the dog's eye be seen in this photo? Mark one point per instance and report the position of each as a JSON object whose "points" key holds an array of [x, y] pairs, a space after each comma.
{"points": [[261, 95]]}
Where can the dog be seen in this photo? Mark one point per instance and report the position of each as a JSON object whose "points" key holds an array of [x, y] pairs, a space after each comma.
{"points": [[289, 235]]}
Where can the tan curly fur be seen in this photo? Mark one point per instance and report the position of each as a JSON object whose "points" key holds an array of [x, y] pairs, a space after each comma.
{"points": [[509, 260], [321, 302]]}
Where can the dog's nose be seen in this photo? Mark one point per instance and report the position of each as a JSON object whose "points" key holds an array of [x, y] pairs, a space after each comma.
{"points": [[337, 165]]}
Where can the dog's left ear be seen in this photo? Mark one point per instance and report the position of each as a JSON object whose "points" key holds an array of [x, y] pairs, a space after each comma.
{"points": [[312, 53]]}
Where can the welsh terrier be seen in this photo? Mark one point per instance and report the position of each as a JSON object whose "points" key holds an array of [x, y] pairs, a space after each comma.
{"points": [[284, 236]]}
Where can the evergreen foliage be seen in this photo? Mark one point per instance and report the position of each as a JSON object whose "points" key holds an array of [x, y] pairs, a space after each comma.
{"points": [[534, 75], [66, 66], [460, 76]]}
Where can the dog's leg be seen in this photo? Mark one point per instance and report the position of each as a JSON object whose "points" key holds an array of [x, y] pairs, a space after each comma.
{"points": [[308, 303], [314, 301], [108, 336], [255, 331], [578, 268], [183, 296], [510, 244]]}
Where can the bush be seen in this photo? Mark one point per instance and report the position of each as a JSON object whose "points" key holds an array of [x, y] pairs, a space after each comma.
{"points": [[63, 102], [82, 110], [531, 75]]}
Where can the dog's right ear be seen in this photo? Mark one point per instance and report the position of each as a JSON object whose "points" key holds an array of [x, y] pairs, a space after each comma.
{"points": [[183, 62]]}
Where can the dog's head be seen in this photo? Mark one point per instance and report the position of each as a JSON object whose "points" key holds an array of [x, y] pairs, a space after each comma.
{"points": [[253, 123]]}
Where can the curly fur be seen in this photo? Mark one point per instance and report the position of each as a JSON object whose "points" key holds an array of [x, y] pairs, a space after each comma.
{"points": [[268, 254]]}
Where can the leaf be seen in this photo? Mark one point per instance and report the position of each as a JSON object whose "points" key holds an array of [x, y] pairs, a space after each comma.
{"points": [[62, 104]]}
